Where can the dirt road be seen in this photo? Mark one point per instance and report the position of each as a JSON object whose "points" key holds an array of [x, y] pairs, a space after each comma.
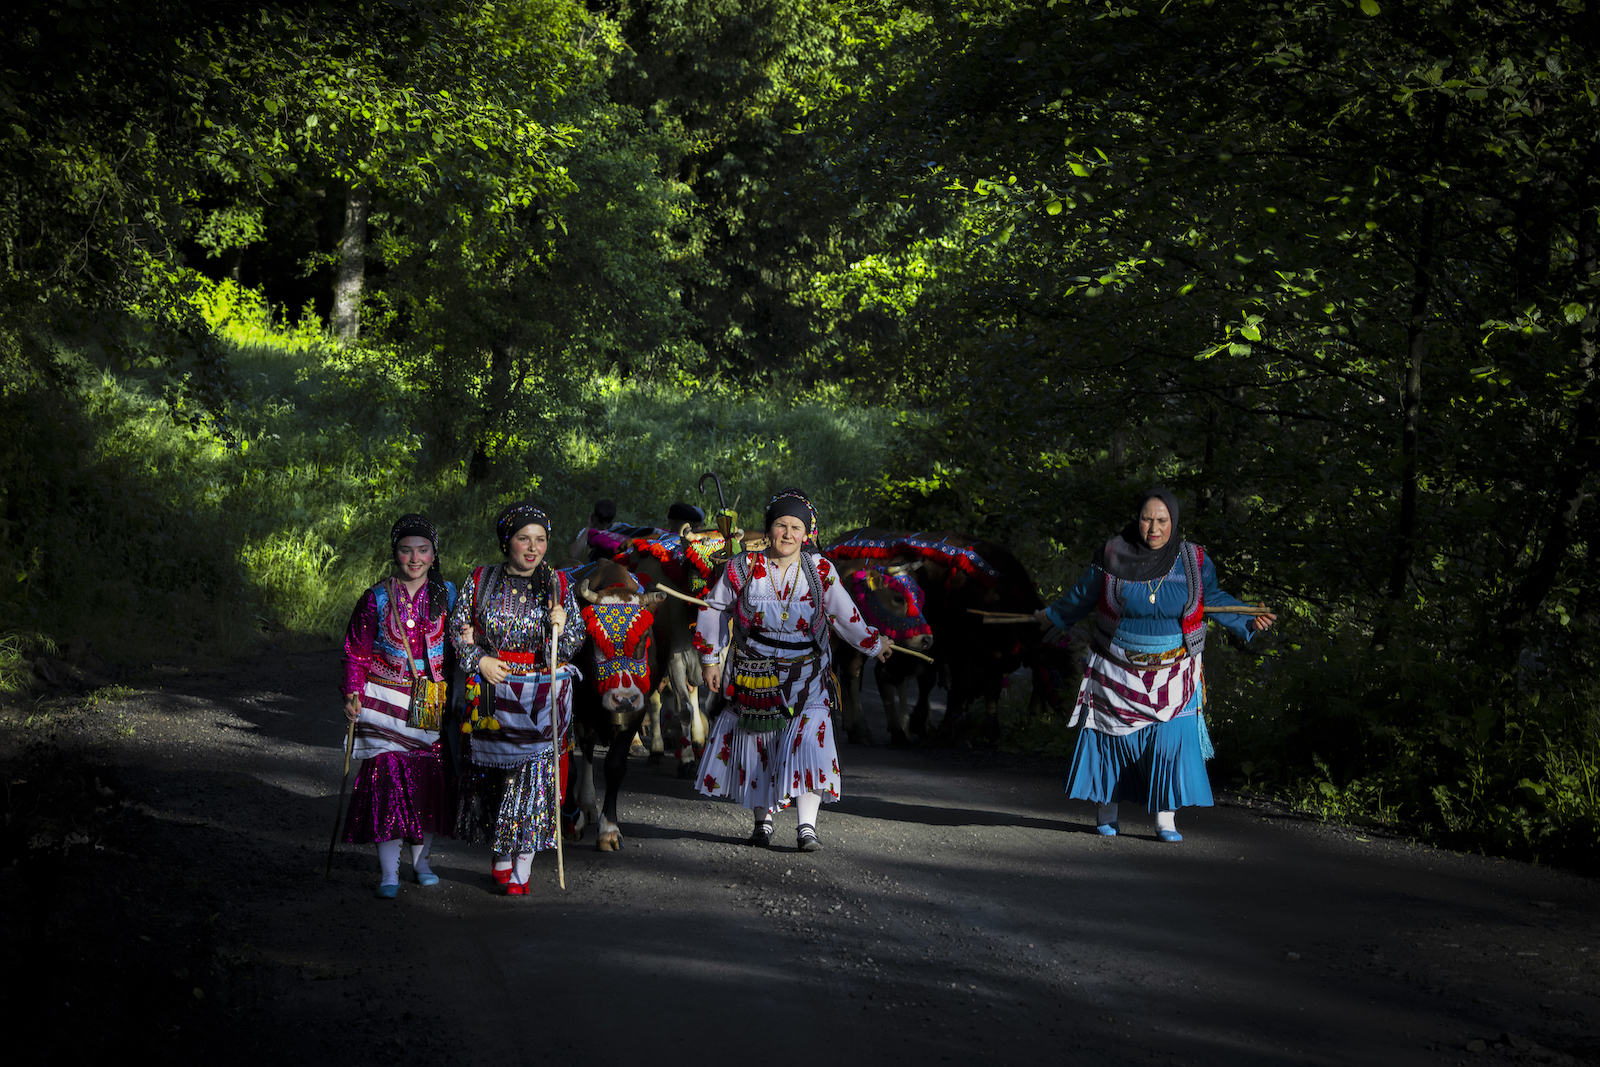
{"points": [[961, 912]]}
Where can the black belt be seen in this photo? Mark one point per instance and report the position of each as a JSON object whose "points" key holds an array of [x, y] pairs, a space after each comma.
{"points": [[797, 646]]}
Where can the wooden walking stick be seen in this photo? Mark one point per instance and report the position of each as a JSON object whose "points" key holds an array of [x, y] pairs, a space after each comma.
{"points": [[338, 814], [555, 735]]}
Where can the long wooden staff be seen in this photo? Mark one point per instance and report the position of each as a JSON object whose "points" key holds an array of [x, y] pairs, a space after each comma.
{"points": [[555, 733], [1006, 618], [338, 814]]}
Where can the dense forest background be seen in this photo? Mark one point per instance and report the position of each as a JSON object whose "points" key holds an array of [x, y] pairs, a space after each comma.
{"points": [[276, 272]]}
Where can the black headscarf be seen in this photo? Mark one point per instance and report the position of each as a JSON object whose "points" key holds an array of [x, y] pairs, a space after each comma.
{"points": [[522, 513], [793, 503], [525, 513], [1126, 556], [414, 525]]}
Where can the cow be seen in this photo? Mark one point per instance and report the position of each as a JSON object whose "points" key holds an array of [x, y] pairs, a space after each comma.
{"points": [[621, 666], [674, 566], [891, 601], [960, 572]]}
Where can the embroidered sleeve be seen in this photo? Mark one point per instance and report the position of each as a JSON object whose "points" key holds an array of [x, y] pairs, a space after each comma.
{"points": [[1070, 607], [572, 636], [462, 634], [711, 625], [358, 639], [1216, 598], [848, 623]]}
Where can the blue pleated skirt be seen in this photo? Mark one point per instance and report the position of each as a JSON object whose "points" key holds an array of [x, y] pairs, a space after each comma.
{"points": [[1162, 766]]}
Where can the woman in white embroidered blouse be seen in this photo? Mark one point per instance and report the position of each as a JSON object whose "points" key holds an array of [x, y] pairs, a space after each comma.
{"points": [[773, 744]]}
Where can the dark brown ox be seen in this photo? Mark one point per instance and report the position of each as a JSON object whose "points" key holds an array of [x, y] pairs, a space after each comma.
{"points": [[961, 572], [890, 600], [621, 667]]}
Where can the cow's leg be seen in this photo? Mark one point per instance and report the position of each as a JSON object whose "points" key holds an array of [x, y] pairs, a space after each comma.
{"points": [[893, 695], [855, 719], [652, 724], [918, 726], [691, 729], [610, 839], [580, 782]]}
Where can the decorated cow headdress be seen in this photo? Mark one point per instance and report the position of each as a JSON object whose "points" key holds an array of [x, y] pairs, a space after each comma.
{"points": [[621, 634], [868, 586]]}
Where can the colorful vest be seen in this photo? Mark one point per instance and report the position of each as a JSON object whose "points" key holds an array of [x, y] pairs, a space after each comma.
{"points": [[739, 578], [1112, 596], [390, 654]]}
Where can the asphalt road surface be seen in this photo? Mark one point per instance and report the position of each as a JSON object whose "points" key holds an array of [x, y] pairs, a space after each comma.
{"points": [[961, 911]]}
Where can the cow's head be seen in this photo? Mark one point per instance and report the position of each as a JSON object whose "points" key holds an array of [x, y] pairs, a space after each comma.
{"points": [[891, 600], [619, 615]]}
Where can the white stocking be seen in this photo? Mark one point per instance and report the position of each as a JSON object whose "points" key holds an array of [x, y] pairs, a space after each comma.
{"points": [[1107, 814], [764, 817], [806, 805], [1167, 820], [524, 868], [502, 861], [389, 861], [419, 855]]}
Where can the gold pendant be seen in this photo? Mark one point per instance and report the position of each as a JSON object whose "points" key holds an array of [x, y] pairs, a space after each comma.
{"points": [[411, 624], [785, 616], [1152, 598]]}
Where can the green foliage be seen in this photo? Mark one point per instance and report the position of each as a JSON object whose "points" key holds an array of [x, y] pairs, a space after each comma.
{"points": [[282, 528]]}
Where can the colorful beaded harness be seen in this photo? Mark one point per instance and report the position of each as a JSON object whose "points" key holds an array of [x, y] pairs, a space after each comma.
{"points": [[621, 635], [864, 592]]}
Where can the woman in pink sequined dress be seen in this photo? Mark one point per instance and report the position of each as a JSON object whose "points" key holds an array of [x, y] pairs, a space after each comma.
{"points": [[397, 661]]}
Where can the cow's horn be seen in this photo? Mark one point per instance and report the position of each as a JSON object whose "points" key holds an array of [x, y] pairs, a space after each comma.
{"points": [[904, 568], [583, 591]]}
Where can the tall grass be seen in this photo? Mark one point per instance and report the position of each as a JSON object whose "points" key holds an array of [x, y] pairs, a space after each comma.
{"points": [[154, 541]]}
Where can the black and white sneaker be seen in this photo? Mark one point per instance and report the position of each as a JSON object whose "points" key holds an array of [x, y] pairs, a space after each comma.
{"points": [[805, 838], [761, 836]]}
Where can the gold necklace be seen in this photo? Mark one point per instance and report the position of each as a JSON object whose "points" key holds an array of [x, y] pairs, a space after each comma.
{"points": [[1157, 587], [784, 603]]}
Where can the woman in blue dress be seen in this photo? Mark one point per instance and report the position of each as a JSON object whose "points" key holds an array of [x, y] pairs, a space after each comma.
{"points": [[1142, 701]]}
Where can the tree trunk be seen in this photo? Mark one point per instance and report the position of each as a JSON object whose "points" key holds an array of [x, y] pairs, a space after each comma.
{"points": [[352, 266], [1411, 420], [496, 400], [1582, 456]]}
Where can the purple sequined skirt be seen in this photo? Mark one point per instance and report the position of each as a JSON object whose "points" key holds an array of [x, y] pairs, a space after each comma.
{"points": [[399, 795]]}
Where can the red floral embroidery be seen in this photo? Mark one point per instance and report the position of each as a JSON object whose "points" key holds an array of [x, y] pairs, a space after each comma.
{"points": [[761, 750], [702, 646], [869, 641], [835, 766], [796, 780], [808, 780], [802, 625], [710, 782], [725, 753], [822, 734], [741, 777]]}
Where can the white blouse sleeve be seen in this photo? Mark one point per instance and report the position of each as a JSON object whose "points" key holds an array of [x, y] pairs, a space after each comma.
{"points": [[711, 625]]}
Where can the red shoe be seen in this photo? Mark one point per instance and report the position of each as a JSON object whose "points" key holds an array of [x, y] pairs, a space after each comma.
{"points": [[501, 876], [516, 889]]}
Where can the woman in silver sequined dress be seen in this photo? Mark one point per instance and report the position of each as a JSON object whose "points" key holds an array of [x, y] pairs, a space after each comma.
{"points": [[501, 629]]}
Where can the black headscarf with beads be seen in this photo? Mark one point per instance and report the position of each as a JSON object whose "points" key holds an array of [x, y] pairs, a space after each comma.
{"points": [[414, 525], [793, 503]]}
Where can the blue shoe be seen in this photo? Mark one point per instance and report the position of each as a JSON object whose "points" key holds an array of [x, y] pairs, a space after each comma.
{"points": [[425, 877], [1108, 829], [388, 892], [1168, 836]]}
